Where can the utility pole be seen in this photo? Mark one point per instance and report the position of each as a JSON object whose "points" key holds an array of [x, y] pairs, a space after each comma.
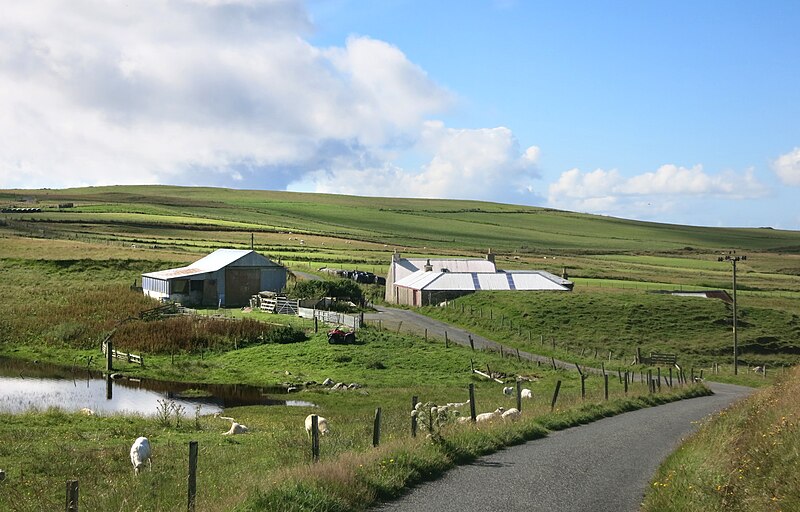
{"points": [[733, 259]]}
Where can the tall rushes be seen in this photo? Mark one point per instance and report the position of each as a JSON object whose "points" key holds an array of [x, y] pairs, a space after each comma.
{"points": [[189, 334]]}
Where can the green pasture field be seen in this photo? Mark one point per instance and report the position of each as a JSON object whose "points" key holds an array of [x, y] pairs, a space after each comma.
{"points": [[618, 320], [441, 224]]}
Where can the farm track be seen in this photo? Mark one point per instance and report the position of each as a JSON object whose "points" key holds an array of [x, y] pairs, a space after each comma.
{"points": [[603, 466], [409, 321]]}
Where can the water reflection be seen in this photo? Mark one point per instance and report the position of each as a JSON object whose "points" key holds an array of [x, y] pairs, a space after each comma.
{"points": [[25, 386]]}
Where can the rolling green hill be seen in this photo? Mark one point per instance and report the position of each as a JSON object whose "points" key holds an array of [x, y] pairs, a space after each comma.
{"points": [[430, 223]]}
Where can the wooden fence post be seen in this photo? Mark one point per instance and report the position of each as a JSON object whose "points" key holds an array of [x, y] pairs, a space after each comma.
{"points": [[553, 361], [605, 379], [555, 396], [446, 341], [659, 378], [471, 342], [501, 352], [519, 360], [670, 376], [414, 416], [583, 382], [519, 396], [314, 438], [472, 401], [192, 475], [72, 496], [426, 334], [626, 383], [376, 428]]}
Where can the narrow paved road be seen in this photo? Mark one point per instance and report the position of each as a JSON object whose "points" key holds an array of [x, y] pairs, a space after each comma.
{"points": [[602, 466]]}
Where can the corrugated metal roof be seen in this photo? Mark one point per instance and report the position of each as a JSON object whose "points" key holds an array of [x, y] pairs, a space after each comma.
{"points": [[218, 259], [405, 266], [474, 281]]}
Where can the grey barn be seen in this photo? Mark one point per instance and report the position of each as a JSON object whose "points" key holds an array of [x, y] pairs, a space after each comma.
{"points": [[226, 277]]}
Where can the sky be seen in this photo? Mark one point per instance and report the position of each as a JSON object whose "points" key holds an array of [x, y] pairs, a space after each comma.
{"points": [[672, 111]]}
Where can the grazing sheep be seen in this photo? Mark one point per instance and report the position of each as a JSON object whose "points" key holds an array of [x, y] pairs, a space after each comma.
{"points": [[508, 390], [322, 425], [758, 369], [526, 393], [489, 416], [86, 411], [140, 452], [456, 405], [512, 414], [236, 428]]}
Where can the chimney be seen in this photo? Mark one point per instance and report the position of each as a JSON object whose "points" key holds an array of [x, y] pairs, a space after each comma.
{"points": [[490, 256], [395, 255], [428, 266]]}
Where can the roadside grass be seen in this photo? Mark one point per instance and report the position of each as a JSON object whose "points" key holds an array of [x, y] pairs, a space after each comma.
{"points": [[744, 458]]}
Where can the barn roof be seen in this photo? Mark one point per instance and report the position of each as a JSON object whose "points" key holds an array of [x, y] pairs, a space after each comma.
{"points": [[407, 266], [474, 281], [217, 260]]}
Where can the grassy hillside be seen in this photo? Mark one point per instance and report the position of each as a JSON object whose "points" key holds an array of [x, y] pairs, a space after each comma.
{"points": [[699, 330], [441, 224]]}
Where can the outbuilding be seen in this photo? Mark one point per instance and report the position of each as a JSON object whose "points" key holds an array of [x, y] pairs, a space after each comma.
{"points": [[226, 277], [420, 282]]}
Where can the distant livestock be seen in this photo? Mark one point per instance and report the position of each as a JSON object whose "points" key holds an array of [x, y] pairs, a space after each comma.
{"points": [[322, 425], [236, 428], [490, 416], [526, 393], [508, 390], [140, 452], [512, 414]]}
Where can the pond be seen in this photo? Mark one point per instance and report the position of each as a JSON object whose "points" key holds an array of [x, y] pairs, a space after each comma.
{"points": [[25, 386]]}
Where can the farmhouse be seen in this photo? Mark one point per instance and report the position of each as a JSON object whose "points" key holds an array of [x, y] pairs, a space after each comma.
{"points": [[419, 282], [226, 277]]}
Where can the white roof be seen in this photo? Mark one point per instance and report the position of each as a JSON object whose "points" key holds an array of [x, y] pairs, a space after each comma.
{"points": [[473, 281], [218, 259], [407, 266]]}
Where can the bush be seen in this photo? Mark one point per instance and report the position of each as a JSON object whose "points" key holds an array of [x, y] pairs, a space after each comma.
{"points": [[338, 288]]}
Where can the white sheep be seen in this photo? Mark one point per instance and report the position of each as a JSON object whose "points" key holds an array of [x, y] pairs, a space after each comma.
{"points": [[526, 393], [489, 416], [322, 425], [236, 428], [508, 390], [86, 411], [140, 452], [512, 414]]}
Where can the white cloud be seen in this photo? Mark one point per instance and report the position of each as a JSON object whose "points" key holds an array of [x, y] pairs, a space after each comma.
{"points": [[787, 167], [609, 192], [463, 164], [195, 92]]}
